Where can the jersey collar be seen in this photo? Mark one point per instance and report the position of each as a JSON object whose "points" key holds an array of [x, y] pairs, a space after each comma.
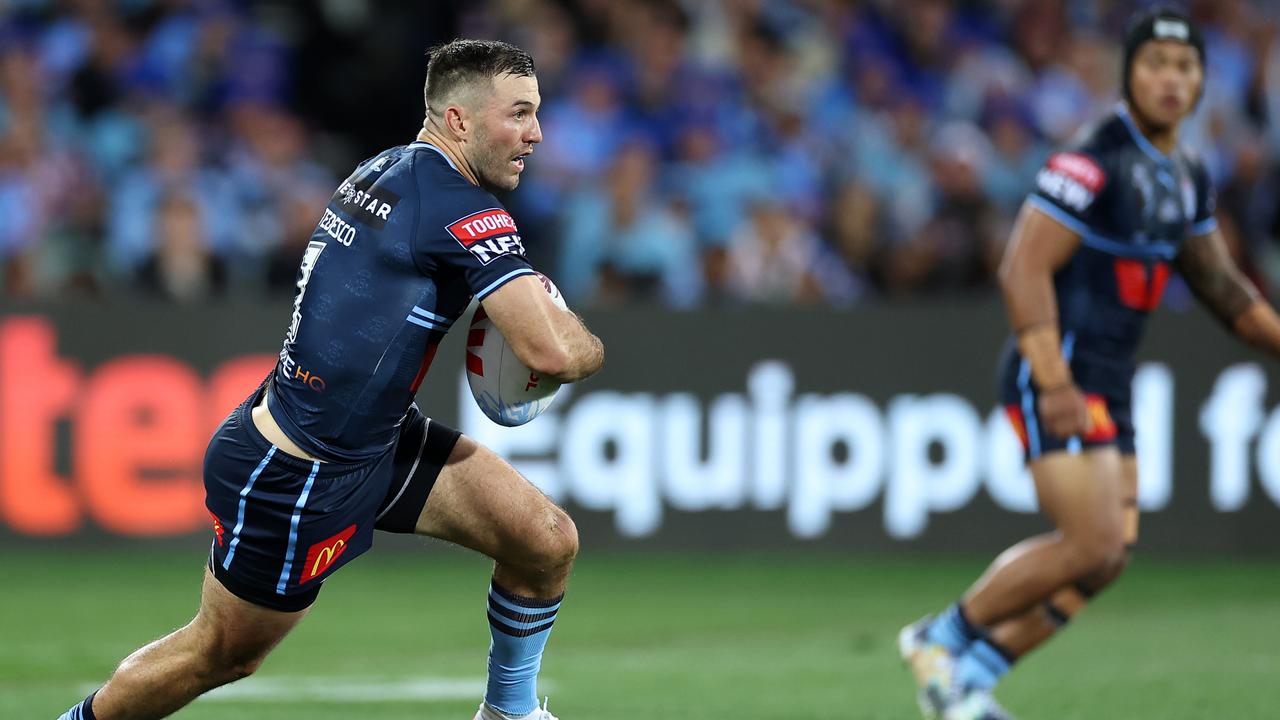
{"points": [[425, 144], [1141, 140]]}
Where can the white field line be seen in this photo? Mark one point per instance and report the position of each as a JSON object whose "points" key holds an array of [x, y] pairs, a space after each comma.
{"points": [[346, 689]]}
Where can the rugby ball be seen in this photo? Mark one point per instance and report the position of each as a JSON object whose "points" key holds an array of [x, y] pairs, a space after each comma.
{"points": [[506, 391]]}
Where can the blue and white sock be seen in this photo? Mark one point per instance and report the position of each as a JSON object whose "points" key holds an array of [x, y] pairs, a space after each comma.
{"points": [[520, 627], [982, 665], [83, 710], [952, 630]]}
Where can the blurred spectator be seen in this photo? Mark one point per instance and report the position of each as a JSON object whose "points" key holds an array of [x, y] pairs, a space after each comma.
{"points": [[181, 268], [622, 243], [775, 258], [898, 139], [174, 165]]}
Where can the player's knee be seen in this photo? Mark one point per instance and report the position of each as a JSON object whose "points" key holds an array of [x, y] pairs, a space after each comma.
{"points": [[228, 659], [1100, 557], [560, 539], [550, 542]]}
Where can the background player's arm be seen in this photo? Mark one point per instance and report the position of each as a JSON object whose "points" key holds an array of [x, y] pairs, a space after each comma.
{"points": [[545, 338], [1038, 247], [1221, 287]]}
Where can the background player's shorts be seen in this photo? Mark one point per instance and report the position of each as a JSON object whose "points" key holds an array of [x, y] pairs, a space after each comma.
{"points": [[283, 524], [1108, 389]]}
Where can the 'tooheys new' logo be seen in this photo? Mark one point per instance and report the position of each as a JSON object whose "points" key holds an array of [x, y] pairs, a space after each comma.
{"points": [[487, 234]]}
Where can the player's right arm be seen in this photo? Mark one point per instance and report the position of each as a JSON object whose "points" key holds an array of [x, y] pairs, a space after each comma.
{"points": [[1039, 246], [548, 340]]}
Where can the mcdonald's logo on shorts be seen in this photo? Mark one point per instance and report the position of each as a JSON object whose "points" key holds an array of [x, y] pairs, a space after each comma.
{"points": [[1101, 427], [323, 554]]}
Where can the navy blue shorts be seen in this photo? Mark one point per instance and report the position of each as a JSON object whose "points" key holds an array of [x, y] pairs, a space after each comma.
{"points": [[283, 524], [1108, 388]]}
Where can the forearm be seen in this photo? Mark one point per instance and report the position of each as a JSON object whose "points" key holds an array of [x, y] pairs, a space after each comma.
{"points": [[1033, 313], [583, 350], [1259, 326]]}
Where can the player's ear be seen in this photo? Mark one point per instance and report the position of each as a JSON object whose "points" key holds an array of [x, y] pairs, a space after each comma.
{"points": [[456, 120]]}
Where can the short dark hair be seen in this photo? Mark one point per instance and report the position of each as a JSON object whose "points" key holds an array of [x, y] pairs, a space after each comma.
{"points": [[460, 62]]}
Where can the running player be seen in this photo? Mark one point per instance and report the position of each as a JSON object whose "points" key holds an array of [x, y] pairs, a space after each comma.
{"points": [[1087, 262], [331, 446]]}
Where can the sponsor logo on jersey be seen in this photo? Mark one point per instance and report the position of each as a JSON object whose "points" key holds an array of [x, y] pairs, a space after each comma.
{"points": [[487, 234], [367, 205], [324, 554], [1073, 179]]}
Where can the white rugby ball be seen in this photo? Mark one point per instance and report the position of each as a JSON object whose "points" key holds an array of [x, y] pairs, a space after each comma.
{"points": [[506, 391]]}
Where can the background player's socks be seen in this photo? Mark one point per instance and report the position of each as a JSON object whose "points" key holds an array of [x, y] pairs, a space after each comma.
{"points": [[982, 665], [520, 627], [952, 630], [83, 710]]}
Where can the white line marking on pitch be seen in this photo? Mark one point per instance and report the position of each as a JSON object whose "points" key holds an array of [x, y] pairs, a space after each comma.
{"points": [[347, 689]]}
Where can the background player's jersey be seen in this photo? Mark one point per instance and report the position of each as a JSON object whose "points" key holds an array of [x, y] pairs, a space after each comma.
{"points": [[402, 247], [1133, 207]]}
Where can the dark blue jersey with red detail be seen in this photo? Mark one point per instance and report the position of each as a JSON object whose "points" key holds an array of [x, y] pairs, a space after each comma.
{"points": [[401, 249], [1133, 207]]}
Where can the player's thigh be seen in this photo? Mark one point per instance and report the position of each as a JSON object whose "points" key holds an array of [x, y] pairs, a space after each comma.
{"points": [[1129, 500], [479, 501], [235, 631], [1082, 493]]}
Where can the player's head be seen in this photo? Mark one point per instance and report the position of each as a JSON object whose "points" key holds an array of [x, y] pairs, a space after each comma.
{"points": [[483, 95], [1163, 70]]}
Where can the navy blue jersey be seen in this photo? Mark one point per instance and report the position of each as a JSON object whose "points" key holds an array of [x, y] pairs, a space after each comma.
{"points": [[401, 249], [1133, 206]]}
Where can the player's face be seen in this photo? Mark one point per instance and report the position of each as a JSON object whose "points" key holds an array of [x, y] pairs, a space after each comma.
{"points": [[506, 131], [1165, 81]]}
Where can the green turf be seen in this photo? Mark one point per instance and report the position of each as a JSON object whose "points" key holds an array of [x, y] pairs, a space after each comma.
{"points": [[783, 637]]}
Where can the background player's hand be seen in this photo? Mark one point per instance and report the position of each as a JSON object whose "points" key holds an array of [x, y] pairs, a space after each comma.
{"points": [[1063, 411]]}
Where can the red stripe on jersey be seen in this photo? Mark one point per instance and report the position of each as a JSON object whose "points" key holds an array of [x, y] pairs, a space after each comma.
{"points": [[480, 315], [482, 226], [475, 337], [475, 365], [427, 358]]}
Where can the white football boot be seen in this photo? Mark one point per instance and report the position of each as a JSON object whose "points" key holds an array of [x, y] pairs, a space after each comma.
{"points": [[932, 665], [976, 705]]}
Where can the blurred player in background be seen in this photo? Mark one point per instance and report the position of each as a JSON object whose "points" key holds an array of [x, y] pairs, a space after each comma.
{"points": [[1087, 263], [331, 446]]}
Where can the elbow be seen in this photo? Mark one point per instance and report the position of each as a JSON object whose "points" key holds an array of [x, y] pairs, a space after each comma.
{"points": [[550, 361]]}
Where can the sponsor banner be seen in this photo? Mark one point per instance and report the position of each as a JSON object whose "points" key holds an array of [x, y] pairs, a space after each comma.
{"points": [[871, 429]]}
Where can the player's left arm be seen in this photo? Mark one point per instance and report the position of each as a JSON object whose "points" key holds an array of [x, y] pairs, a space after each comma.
{"points": [[1220, 286]]}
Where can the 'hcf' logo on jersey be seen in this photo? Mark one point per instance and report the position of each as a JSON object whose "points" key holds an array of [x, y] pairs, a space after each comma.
{"points": [[324, 554], [487, 234], [1072, 178]]}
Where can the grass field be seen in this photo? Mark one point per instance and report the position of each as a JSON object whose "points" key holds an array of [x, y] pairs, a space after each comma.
{"points": [[747, 638]]}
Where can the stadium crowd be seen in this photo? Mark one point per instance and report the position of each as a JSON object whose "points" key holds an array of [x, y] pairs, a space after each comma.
{"points": [[733, 151]]}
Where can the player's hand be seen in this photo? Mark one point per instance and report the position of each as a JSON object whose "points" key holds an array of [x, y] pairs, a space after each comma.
{"points": [[1063, 411]]}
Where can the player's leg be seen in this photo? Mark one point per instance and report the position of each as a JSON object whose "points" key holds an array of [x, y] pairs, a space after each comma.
{"points": [[227, 640], [456, 490], [1081, 493], [1022, 634]]}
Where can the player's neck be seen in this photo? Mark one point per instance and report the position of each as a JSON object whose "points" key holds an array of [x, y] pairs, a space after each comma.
{"points": [[1165, 139], [451, 151]]}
